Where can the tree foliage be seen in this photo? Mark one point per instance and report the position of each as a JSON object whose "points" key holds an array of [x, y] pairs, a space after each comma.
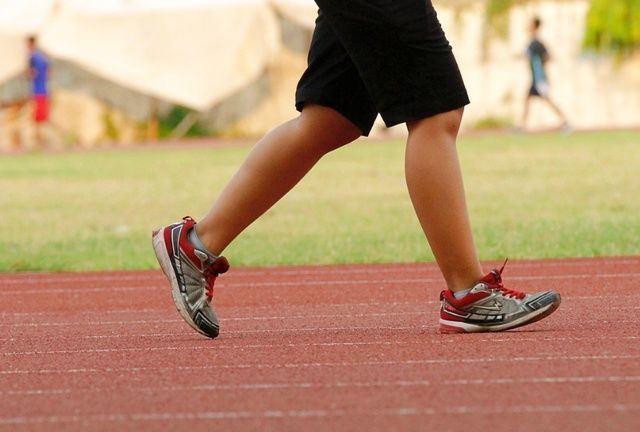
{"points": [[497, 15], [613, 25]]}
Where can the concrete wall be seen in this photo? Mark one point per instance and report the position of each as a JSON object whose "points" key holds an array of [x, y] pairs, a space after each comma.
{"points": [[594, 91]]}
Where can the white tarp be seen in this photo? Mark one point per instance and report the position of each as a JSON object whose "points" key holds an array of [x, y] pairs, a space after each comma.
{"points": [[18, 19], [191, 52], [24, 16], [194, 55], [302, 12], [13, 54]]}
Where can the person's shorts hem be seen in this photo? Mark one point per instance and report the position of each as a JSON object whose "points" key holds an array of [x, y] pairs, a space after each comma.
{"points": [[363, 121], [423, 109], [391, 117], [539, 89]]}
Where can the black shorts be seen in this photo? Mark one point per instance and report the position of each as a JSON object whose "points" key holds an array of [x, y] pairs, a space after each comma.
{"points": [[380, 56], [539, 89]]}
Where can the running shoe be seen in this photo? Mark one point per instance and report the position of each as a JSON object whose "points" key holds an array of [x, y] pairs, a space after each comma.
{"points": [[489, 307], [191, 273]]}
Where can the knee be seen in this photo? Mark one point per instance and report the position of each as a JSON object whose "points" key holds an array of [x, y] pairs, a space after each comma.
{"points": [[325, 128], [447, 123], [451, 122]]}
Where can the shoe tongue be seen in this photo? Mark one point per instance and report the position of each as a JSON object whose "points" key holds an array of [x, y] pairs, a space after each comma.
{"points": [[204, 258]]}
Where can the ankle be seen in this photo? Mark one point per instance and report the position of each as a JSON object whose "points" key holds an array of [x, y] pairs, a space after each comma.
{"points": [[197, 243], [204, 233], [463, 282], [459, 294]]}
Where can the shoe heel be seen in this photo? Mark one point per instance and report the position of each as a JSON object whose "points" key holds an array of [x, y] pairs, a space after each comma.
{"points": [[447, 329]]}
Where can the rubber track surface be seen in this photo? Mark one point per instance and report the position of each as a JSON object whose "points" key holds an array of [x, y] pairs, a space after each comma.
{"points": [[318, 348]]}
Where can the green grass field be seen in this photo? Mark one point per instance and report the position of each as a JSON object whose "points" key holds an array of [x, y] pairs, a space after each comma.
{"points": [[529, 196]]}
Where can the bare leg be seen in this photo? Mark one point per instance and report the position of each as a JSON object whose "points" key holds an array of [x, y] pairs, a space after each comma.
{"points": [[525, 113], [555, 108], [437, 193], [38, 135], [13, 113], [275, 165]]}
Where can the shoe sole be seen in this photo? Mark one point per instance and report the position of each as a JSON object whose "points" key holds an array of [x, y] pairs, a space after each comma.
{"points": [[167, 268], [447, 326]]}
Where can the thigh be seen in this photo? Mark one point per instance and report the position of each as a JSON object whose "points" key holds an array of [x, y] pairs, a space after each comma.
{"points": [[332, 80], [402, 55]]}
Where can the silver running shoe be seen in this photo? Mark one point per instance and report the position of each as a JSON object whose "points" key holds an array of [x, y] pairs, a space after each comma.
{"points": [[489, 307], [191, 273]]}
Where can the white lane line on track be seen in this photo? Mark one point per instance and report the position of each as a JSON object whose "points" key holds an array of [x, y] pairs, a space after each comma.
{"points": [[296, 308], [428, 268], [258, 318], [264, 331], [479, 410], [341, 384], [324, 329], [420, 310], [228, 285], [226, 332], [573, 358], [214, 347], [244, 331], [374, 283], [45, 392], [84, 312], [411, 329], [91, 323], [220, 346], [598, 297], [231, 308], [425, 313]]}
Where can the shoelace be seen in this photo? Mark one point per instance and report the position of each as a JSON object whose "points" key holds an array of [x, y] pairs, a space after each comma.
{"points": [[497, 274], [210, 276]]}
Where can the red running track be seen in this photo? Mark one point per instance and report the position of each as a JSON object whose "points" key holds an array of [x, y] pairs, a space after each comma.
{"points": [[318, 348]]}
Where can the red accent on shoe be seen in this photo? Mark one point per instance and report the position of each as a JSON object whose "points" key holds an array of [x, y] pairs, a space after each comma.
{"points": [[494, 281], [450, 329], [454, 308], [167, 241], [185, 245], [448, 311], [209, 270], [218, 266], [461, 303]]}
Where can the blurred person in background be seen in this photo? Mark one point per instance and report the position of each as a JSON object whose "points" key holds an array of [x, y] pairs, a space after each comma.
{"points": [[38, 74], [538, 56]]}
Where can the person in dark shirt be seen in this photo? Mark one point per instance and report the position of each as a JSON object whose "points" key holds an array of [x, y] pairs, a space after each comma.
{"points": [[538, 56], [38, 74]]}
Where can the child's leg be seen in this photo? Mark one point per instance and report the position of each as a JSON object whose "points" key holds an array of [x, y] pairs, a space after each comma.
{"points": [[275, 165], [437, 192], [556, 109], [525, 113]]}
